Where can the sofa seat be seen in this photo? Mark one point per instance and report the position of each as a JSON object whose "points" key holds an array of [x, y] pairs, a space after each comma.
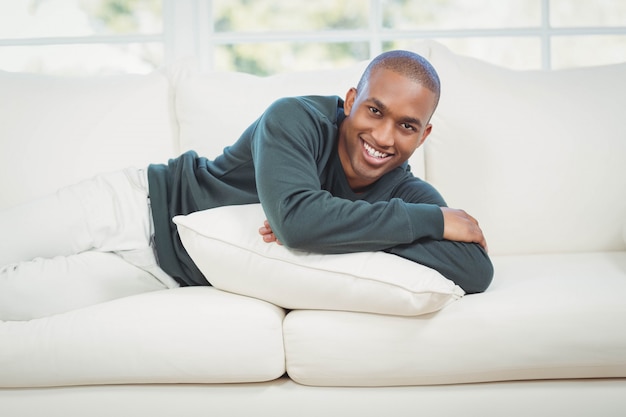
{"points": [[547, 316], [190, 335]]}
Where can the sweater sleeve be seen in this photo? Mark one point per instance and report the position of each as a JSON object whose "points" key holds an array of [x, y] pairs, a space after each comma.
{"points": [[466, 264], [287, 147]]}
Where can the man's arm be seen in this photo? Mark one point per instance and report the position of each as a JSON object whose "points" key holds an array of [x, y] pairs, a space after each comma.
{"points": [[462, 257], [458, 226]]}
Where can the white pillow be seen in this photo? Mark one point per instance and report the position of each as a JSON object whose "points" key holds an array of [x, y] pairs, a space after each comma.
{"points": [[225, 244]]}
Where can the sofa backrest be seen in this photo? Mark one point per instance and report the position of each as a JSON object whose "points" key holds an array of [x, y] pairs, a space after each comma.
{"points": [[539, 157], [56, 131]]}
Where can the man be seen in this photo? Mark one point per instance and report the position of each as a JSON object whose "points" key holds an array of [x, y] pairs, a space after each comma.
{"points": [[332, 177]]}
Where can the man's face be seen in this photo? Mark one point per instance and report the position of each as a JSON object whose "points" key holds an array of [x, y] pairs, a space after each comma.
{"points": [[385, 123]]}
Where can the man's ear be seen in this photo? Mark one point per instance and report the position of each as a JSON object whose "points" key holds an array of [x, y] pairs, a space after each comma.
{"points": [[349, 101], [429, 128]]}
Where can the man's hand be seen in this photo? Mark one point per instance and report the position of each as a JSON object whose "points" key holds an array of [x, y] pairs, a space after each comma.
{"points": [[461, 227], [267, 233]]}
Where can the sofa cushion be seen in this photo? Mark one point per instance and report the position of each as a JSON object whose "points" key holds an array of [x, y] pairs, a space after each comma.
{"points": [[545, 317], [56, 131], [226, 246], [539, 157], [183, 335]]}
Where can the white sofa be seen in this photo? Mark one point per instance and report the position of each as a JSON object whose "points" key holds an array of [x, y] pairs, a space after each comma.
{"points": [[538, 157]]}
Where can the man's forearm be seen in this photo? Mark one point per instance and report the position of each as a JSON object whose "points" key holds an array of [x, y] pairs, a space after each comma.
{"points": [[466, 264]]}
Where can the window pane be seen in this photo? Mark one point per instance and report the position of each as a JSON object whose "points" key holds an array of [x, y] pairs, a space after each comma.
{"points": [[50, 18], [271, 58], [579, 51], [564, 13], [289, 15], [461, 14], [83, 59], [511, 52]]}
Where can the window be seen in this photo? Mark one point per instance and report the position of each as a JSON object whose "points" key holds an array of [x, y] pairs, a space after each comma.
{"points": [[81, 36], [268, 36]]}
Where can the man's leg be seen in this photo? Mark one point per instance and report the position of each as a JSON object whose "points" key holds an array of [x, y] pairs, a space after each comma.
{"points": [[106, 213], [43, 287], [97, 231]]}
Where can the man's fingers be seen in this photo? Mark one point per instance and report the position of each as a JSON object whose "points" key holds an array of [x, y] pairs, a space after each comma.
{"points": [[268, 235], [270, 238], [462, 227]]}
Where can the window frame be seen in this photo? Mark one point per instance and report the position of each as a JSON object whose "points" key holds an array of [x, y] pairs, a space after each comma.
{"points": [[204, 40], [188, 32]]}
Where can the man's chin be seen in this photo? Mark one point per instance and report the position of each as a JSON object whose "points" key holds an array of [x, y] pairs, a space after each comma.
{"points": [[371, 176]]}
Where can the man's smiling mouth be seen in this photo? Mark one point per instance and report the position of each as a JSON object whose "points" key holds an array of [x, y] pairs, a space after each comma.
{"points": [[373, 152]]}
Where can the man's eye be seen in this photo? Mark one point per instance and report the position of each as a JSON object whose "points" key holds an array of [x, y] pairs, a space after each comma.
{"points": [[374, 110], [408, 126]]}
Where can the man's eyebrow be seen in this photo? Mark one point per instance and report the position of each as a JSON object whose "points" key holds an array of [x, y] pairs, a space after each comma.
{"points": [[378, 103], [406, 119]]}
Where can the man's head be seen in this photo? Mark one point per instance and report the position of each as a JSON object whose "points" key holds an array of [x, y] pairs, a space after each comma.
{"points": [[387, 116], [409, 64]]}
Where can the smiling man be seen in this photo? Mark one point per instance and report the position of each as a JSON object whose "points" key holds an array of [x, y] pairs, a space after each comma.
{"points": [[331, 175]]}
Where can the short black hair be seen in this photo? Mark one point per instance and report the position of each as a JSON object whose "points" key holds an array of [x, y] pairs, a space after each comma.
{"points": [[409, 64]]}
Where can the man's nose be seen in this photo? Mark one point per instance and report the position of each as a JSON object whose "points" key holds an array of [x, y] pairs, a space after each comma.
{"points": [[383, 135]]}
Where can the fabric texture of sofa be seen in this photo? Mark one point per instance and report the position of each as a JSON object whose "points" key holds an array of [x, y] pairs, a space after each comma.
{"points": [[539, 157]]}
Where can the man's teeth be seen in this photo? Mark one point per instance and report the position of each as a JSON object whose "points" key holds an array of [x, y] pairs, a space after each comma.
{"points": [[373, 152]]}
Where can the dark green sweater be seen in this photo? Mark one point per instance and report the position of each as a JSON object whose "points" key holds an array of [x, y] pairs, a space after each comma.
{"points": [[288, 161]]}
